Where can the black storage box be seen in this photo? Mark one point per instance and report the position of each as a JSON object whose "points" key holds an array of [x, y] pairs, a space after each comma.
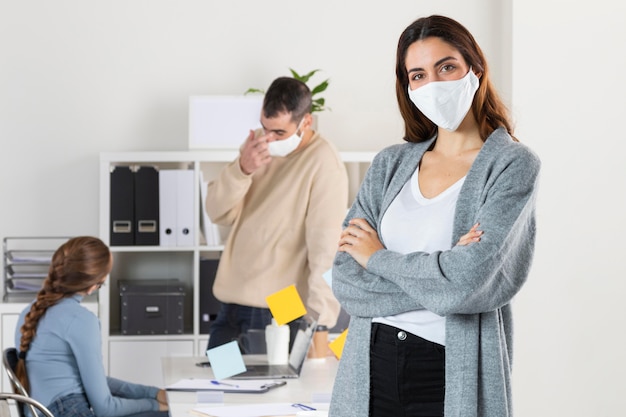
{"points": [[151, 306]]}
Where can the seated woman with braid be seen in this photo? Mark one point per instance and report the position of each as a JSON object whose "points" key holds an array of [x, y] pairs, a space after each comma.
{"points": [[60, 346]]}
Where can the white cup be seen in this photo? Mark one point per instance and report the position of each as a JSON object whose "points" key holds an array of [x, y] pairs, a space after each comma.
{"points": [[277, 343]]}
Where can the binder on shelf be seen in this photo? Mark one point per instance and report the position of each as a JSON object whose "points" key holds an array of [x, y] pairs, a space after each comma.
{"points": [[122, 207], [211, 230], [185, 232], [209, 305], [176, 200], [167, 207], [146, 206]]}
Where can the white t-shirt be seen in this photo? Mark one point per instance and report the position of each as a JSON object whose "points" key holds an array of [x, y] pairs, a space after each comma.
{"points": [[413, 223]]}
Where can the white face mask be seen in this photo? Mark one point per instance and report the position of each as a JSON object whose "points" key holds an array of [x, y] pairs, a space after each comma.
{"points": [[284, 147], [446, 103]]}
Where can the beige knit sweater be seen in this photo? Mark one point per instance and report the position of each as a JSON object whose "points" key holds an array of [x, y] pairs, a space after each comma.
{"points": [[285, 221]]}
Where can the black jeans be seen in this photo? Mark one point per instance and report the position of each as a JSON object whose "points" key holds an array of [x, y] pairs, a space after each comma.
{"points": [[407, 374]]}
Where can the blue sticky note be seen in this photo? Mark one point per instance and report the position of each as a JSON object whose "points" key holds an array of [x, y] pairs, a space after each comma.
{"points": [[226, 360], [328, 277]]}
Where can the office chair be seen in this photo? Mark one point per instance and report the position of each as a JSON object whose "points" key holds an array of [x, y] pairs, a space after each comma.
{"points": [[21, 400], [9, 360]]}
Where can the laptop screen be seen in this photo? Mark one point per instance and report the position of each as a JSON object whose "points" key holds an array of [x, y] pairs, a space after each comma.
{"points": [[303, 340]]}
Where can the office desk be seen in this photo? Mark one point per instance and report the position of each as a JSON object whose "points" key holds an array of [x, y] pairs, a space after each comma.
{"points": [[317, 377]]}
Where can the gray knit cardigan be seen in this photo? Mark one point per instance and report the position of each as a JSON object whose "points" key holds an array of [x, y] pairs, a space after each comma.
{"points": [[472, 286]]}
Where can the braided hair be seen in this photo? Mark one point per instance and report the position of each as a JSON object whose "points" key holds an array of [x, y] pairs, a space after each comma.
{"points": [[77, 265]]}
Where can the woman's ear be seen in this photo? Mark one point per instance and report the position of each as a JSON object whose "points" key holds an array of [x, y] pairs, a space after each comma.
{"points": [[92, 289]]}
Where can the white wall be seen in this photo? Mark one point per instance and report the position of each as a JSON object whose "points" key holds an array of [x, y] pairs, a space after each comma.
{"points": [[78, 78], [569, 89]]}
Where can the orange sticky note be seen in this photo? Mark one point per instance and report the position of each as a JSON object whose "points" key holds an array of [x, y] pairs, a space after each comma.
{"points": [[286, 305], [337, 345]]}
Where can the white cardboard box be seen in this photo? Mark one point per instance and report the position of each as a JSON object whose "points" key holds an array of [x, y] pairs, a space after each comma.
{"points": [[221, 121]]}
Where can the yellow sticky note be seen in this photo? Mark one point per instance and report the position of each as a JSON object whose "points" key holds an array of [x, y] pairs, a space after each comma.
{"points": [[286, 305], [337, 345]]}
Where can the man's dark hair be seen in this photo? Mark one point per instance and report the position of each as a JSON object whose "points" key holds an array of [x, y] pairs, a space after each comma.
{"points": [[287, 95]]}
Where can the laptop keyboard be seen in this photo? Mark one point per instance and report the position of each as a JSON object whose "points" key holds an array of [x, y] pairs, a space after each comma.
{"points": [[267, 370]]}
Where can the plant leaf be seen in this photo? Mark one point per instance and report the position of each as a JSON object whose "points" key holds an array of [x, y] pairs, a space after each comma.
{"points": [[254, 91], [318, 104], [305, 77], [309, 75], [295, 74], [320, 87]]}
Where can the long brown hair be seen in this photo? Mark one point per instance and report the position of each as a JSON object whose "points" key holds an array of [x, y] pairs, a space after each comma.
{"points": [[488, 108], [76, 266]]}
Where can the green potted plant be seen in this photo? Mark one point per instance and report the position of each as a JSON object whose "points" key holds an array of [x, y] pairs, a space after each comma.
{"points": [[319, 103]]}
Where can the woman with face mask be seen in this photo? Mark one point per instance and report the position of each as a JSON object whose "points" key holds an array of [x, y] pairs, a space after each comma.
{"points": [[437, 243]]}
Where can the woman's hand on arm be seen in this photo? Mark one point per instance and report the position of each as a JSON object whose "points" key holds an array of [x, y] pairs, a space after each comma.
{"points": [[360, 240], [470, 237]]}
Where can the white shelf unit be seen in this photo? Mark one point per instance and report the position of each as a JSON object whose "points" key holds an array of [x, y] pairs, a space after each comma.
{"points": [[137, 358]]}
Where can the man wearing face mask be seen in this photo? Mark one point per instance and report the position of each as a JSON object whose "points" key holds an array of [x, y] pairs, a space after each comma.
{"points": [[284, 199]]}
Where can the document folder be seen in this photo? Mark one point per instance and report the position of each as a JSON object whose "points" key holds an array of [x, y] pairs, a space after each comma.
{"points": [[146, 206], [122, 207], [185, 230], [168, 181], [176, 203], [211, 230]]}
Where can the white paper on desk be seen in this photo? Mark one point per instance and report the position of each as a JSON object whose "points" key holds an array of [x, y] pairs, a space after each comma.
{"points": [[250, 410], [228, 385]]}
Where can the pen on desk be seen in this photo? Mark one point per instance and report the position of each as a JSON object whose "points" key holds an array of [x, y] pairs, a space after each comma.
{"points": [[214, 382], [303, 407], [273, 384]]}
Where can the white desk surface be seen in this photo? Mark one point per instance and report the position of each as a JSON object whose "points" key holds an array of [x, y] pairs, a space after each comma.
{"points": [[317, 377]]}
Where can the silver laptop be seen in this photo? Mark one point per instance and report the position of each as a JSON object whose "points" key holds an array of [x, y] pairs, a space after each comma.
{"points": [[299, 350]]}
